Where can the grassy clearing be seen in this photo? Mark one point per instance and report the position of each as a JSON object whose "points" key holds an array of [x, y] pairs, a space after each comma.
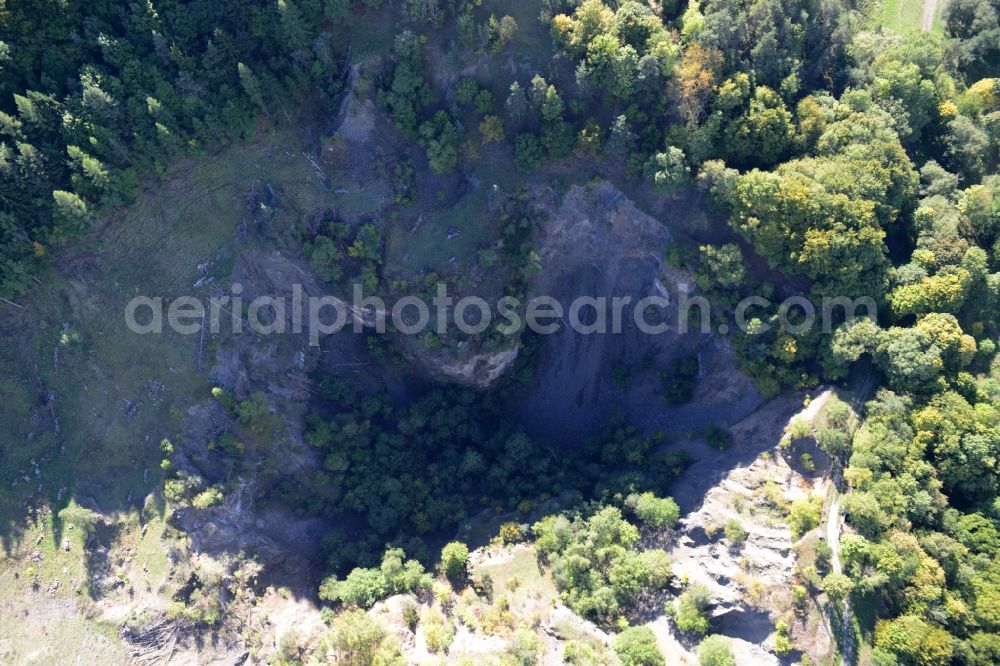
{"points": [[48, 631], [908, 15], [86, 401], [116, 394], [865, 608], [531, 43], [38, 598], [416, 252], [520, 578], [371, 33], [428, 248]]}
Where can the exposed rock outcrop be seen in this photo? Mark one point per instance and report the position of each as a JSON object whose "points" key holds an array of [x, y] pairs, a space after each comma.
{"points": [[597, 243]]}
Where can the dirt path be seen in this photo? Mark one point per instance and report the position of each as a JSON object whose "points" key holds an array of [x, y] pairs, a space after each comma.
{"points": [[930, 8], [833, 524], [833, 531]]}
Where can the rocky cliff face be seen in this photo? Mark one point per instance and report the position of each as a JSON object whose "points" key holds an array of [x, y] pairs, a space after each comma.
{"points": [[752, 484], [598, 244], [479, 370], [594, 244]]}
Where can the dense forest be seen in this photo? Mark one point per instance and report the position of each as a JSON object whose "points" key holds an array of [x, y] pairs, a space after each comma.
{"points": [[848, 159], [97, 96]]}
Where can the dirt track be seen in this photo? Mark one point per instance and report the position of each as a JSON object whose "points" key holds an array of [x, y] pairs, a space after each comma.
{"points": [[930, 8]]}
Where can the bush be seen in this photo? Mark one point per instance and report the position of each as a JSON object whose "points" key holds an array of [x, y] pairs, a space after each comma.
{"points": [[734, 532], [658, 567], [527, 152], [326, 258], [680, 380], [799, 428], [483, 101], [558, 138], [465, 91], [715, 651], [595, 563], [363, 587], [207, 499], [636, 646], [719, 437], [440, 137], [491, 128], [667, 170], [838, 415], [511, 533], [837, 586], [692, 610], [359, 639], [251, 412], [723, 265], [653, 510], [804, 515], [833, 441], [411, 614], [913, 640], [800, 596], [578, 653], [437, 633], [782, 641], [523, 647], [454, 557]]}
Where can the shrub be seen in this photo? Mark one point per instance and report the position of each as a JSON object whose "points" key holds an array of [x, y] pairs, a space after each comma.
{"points": [[636, 646], [680, 380], [800, 595], [437, 633], [833, 441], [654, 511], [578, 653], [667, 170], [692, 610], [465, 91], [483, 101], [734, 532], [442, 592], [782, 641], [621, 376], [454, 557], [411, 614], [799, 428], [837, 586], [804, 515], [363, 587], [724, 264], [523, 647], [207, 499], [595, 563], [719, 437], [359, 639], [511, 533], [658, 567], [716, 651], [838, 415], [491, 127], [251, 412], [913, 640], [527, 152]]}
